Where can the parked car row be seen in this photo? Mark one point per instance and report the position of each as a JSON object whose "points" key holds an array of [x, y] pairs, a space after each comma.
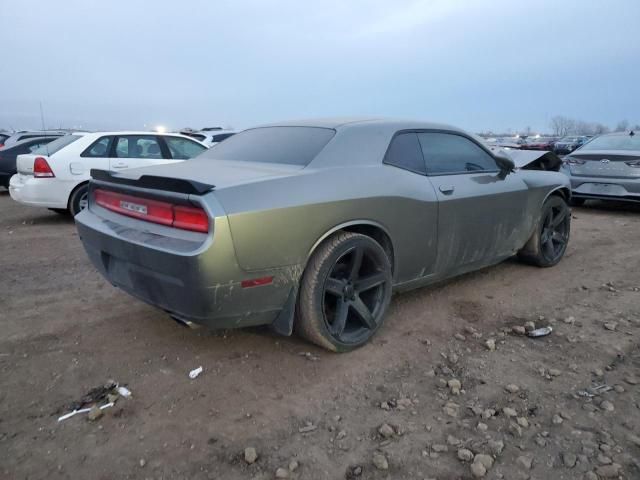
{"points": [[561, 146], [210, 136], [10, 152], [8, 139], [56, 174]]}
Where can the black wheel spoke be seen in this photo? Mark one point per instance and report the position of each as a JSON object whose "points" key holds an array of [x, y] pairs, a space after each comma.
{"points": [[558, 219], [334, 287], [549, 220], [370, 281], [340, 319], [363, 312], [356, 263], [548, 249]]}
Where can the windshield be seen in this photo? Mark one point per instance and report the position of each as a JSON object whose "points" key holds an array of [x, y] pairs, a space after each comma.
{"points": [[614, 142], [56, 145], [570, 139], [290, 145]]}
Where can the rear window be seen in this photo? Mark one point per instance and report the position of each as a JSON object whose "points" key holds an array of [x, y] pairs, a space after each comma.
{"points": [[614, 142], [57, 145], [289, 145]]}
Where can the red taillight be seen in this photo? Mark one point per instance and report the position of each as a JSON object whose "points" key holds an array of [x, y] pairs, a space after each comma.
{"points": [[41, 168], [164, 213], [190, 218]]}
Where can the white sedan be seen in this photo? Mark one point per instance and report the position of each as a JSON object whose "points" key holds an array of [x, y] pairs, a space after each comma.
{"points": [[56, 176]]}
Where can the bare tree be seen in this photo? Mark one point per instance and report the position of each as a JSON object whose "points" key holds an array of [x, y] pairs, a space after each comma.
{"points": [[599, 129], [562, 126], [622, 126]]}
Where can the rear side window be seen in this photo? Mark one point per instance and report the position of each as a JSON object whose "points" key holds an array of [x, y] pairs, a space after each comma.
{"points": [[57, 145], [99, 148], [614, 142], [138, 146], [449, 153], [183, 149], [405, 152], [289, 145]]}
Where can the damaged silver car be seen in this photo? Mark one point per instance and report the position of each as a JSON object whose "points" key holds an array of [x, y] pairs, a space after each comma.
{"points": [[311, 225]]}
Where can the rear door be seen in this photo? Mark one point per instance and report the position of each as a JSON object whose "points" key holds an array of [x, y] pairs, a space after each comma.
{"points": [[481, 212], [133, 151], [95, 156]]}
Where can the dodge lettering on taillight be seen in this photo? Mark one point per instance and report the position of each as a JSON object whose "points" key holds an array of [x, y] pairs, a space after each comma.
{"points": [[133, 207]]}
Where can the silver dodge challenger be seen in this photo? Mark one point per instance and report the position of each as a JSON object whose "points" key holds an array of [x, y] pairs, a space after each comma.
{"points": [[311, 225]]}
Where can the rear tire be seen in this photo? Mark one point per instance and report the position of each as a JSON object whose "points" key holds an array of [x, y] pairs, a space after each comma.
{"points": [[78, 199], [547, 245], [577, 202], [344, 293]]}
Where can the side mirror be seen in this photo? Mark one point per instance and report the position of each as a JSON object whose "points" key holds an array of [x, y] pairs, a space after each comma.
{"points": [[505, 163]]}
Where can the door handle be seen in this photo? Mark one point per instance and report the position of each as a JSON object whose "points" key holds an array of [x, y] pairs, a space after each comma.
{"points": [[447, 189], [120, 165]]}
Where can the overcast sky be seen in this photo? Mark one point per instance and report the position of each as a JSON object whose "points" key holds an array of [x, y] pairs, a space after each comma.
{"points": [[492, 64]]}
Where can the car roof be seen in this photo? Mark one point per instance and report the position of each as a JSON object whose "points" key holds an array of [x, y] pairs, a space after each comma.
{"points": [[209, 133], [347, 122], [36, 139], [134, 132]]}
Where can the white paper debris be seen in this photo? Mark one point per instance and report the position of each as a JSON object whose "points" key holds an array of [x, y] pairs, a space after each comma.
{"points": [[195, 372], [83, 410], [124, 392]]}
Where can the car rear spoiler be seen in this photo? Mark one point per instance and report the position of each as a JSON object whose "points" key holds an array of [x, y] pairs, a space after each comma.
{"points": [[152, 182]]}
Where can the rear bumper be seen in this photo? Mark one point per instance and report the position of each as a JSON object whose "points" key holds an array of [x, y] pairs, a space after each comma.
{"points": [[38, 192], [200, 284], [605, 188]]}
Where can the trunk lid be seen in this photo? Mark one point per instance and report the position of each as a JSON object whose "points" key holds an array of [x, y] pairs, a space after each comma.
{"points": [[604, 164], [218, 173]]}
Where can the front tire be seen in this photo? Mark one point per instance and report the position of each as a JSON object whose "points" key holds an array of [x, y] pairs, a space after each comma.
{"points": [[547, 245], [79, 199], [344, 293]]}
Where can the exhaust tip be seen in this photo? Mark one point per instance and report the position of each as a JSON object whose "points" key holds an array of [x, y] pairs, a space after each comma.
{"points": [[184, 323]]}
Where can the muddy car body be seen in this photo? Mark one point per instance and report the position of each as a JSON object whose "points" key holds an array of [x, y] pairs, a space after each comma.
{"points": [[312, 224]]}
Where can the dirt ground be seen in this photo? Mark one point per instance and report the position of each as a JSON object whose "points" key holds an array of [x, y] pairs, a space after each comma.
{"points": [[65, 331]]}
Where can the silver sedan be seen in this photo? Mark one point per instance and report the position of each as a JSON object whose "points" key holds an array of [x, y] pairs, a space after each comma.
{"points": [[606, 168]]}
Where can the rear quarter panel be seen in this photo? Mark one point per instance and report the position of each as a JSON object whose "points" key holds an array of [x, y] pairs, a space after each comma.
{"points": [[277, 222]]}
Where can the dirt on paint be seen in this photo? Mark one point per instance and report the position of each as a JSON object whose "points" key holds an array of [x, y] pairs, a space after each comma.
{"points": [[429, 397]]}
